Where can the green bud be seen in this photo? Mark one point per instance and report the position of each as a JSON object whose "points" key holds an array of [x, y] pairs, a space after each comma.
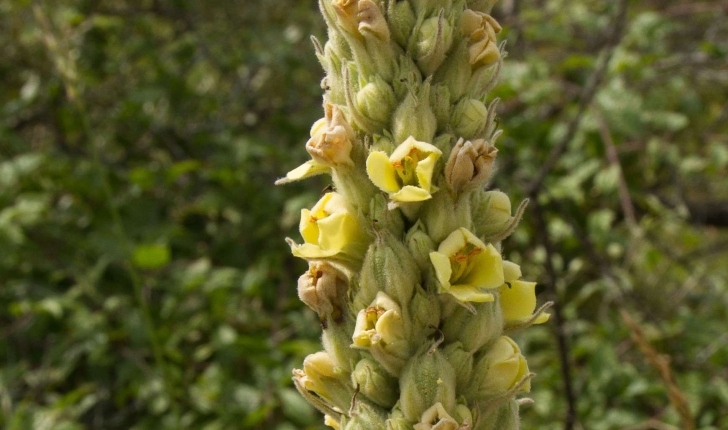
{"points": [[323, 377], [402, 19], [420, 245], [407, 76], [443, 214], [456, 72], [398, 424], [434, 39], [384, 218], [428, 7], [474, 331], [336, 339], [389, 267], [424, 313], [461, 360], [375, 383], [414, 117], [492, 211], [484, 79], [376, 101], [366, 416], [440, 101], [468, 118], [427, 379], [504, 417]]}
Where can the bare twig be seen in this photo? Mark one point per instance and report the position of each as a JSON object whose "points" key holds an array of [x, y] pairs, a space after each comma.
{"points": [[561, 339], [586, 98], [611, 150], [661, 364]]}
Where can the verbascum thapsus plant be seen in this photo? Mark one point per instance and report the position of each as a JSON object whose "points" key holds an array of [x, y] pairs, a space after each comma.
{"points": [[405, 265]]}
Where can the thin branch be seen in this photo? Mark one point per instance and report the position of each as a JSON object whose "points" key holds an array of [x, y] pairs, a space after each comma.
{"points": [[611, 150], [561, 339], [586, 98], [661, 364]]}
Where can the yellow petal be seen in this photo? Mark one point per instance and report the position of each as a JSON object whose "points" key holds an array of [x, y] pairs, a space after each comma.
{"points": [[453, 243], [305, 170], [410, 193], [511, 271], [310, 252], [519, 300], [467, 293], [424, 171], [336, 231], [443, 269], [308, 227], [381, 172], [473, 239], [487, 269]]}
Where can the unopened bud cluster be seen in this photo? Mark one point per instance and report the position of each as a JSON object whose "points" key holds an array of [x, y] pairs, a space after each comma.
{"points": [[405, 266]]}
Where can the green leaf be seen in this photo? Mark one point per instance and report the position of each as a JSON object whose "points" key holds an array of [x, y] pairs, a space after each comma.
{"points": [[151, 256]]}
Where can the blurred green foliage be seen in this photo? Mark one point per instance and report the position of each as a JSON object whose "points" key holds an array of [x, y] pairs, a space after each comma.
{"points": [[144, 280]]}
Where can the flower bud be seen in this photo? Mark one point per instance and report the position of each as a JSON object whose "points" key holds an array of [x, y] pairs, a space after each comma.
{"points": [[331, 138], [503, 417], [434, 39], [480, 29], [420, 244], [427, 379], [321, 376], [407, 76], [398, 424], [440, 102], [470, 165], [444, 214], [372, 22], [464, 416], [468, 118], [336, 340], [414, 117], [376, 101], [380, 329], [428, 7], [375, 383], [474, 331], [492, 212], [383, 217], [461, 360], [332, 422], [388, 267], [402, 20], [366, 416], [500, 369], [456, 72], [424, 313], [346, 15], [323, 288], [436, 418]]}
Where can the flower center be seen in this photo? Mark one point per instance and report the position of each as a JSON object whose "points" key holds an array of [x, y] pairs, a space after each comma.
{"points": [[405, 167], [461, 262]]}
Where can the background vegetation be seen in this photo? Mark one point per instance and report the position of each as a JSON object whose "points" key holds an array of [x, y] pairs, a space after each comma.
{"points": [[144, 281]]}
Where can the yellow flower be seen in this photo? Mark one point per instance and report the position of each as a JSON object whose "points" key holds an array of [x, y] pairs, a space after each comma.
{"points": [[406, 174], [465, 267], [502, 367], [331, 422], [329, 228], [381, 324], [481, 30], [518, 298]]}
